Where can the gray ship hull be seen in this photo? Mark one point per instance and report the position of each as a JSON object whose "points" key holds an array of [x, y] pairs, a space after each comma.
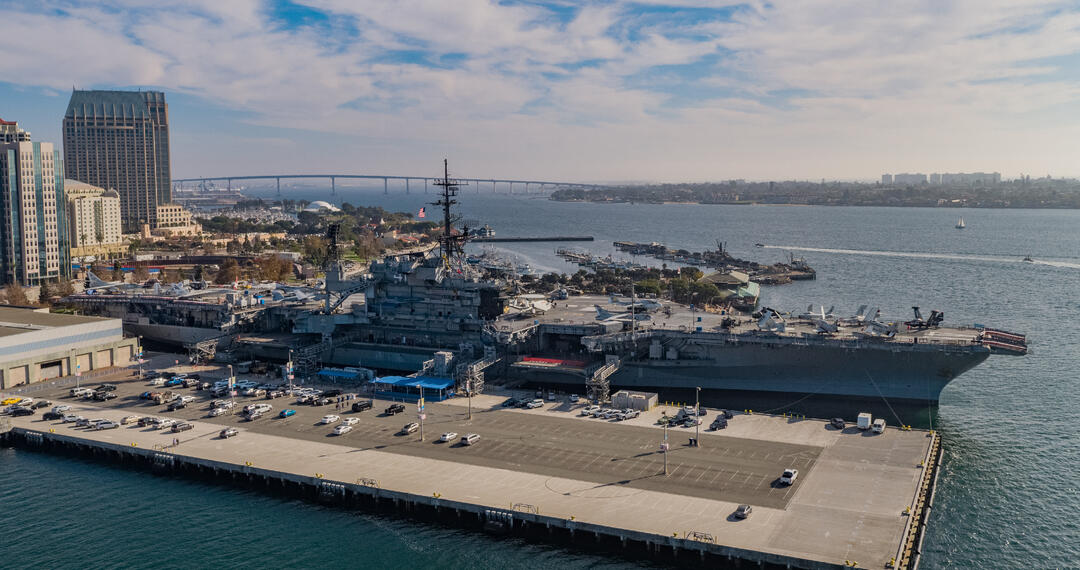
{"points": [[909, 375]]}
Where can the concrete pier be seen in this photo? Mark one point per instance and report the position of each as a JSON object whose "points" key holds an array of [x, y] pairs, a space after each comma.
{"points": [[860, 499]]}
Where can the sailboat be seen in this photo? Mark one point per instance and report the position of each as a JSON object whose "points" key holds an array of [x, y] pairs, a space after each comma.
{"points": [[960, 224]]}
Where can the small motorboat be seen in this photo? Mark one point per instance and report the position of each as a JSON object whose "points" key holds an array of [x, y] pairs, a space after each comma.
{"points": [[1028, 259]]}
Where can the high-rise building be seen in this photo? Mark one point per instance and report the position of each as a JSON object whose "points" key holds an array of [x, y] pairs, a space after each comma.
{"points": [[120, 140], [33, 228], [10, 132], [886, 178], [93, 216]]}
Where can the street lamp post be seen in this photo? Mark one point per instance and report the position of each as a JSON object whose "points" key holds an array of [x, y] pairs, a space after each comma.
{"points": [[697, 420], [664, 447], [468, 390], [421, 410]]}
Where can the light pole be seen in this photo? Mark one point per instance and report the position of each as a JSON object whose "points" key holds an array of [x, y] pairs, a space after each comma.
{"points": [[468, 390], [140, 358], [420, 409], [664, 447], [697, 419]]}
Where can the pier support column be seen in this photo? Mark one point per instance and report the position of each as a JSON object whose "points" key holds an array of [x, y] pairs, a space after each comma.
{"points": [[385, 187], [333, 185], [425, 186], [494, 188], [406, 186], [278, 186]]}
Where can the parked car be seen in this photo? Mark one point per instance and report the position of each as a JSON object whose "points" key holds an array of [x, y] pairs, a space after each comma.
{"points": [[228, 432], [61, 408], [743, 511], [52, 416], [395, 409], [588, 410], [107, 424], [177, 405], [182, 426], [719, 423], [329, 419], [879, 425], [574, 398], [350, 421], [342, 429], [13, 401], [104, 396], [82, 422], [217, 412], [81, 392], [287, 413], [147, 421], [448, 436], [470, 439], [535, 403], [510, 403], [837, 423], [106, 388], [146, 395], [726, 413], [165, 423], [72, 419], [789, 476], [174, 382], [21, 411], [128, 420], [227, 404], [41, 404], [410, 427], [362, 405], [253, 416]]}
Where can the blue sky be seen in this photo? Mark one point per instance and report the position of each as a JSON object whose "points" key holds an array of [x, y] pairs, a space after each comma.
{"points": [[663, 90]]}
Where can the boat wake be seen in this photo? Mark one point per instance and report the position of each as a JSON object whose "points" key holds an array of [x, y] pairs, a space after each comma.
{"points": [[929, 255]]}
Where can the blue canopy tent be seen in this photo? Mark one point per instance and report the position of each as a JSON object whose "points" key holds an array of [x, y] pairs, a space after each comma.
{"points": [[408, 388]]}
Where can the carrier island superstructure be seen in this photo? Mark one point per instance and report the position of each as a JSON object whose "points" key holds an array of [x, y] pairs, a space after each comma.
{"points": [[414, 304]]}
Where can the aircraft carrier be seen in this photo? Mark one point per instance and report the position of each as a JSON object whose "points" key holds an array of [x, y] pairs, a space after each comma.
{"points": [[428, 310]]}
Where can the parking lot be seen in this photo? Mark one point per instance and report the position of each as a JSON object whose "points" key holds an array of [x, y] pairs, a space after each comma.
{"points": [[616, 458]]}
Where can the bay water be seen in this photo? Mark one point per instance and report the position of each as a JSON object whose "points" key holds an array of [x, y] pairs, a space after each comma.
{"points": [[1008, 495]]}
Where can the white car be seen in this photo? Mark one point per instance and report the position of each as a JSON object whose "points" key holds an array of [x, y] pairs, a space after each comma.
{"points": [[574, 398], [106, 424], [72, 418], [342, 429], [166, 423], [537, 403], [329, 419], [350, 421], [470, 439], [590, 410], [26, 401], [218, 412], [159, 381], [60, 409], [879, 426], [789, 476], [448, 436], [187, 399]]}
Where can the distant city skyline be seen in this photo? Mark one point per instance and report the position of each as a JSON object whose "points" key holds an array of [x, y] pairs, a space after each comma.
{"points": [[661, 91]]}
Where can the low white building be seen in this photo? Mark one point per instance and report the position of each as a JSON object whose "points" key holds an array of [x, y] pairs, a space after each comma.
{"points": [[36, 345]]}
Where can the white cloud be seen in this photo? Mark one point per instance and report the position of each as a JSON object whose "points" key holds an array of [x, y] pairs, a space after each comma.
{"points": [[809, 88]]}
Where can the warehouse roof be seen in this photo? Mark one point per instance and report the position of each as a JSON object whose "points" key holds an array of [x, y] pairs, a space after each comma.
{"points": [[16, 320]]}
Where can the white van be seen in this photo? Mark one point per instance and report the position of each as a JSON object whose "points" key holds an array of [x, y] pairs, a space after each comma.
{"points": [[470, 439], [865, 420], [879, 426], [81, 392]]}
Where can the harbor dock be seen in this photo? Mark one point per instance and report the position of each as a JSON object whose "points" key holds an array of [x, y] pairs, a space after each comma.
{"points": [[493, 239], [860, 498]]}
